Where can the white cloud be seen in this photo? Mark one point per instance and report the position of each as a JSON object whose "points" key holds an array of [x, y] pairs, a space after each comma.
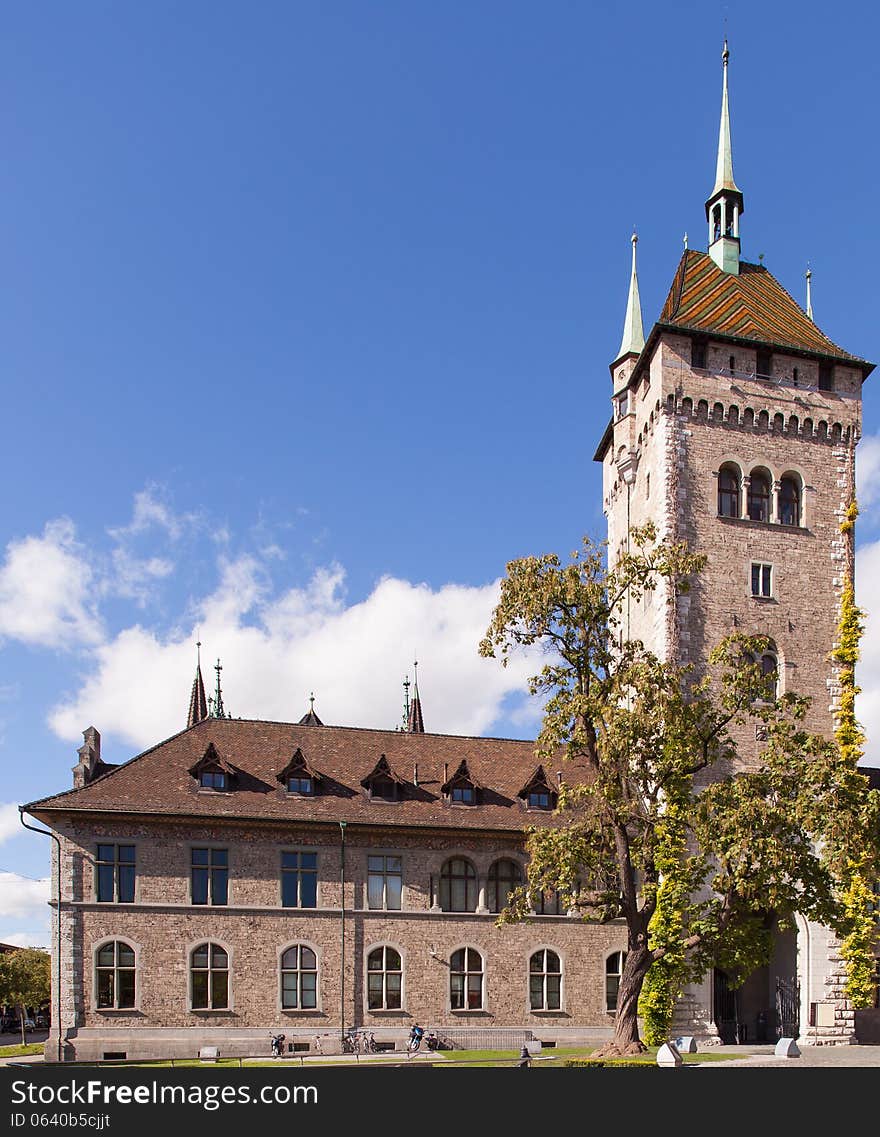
{"points": [[35, 939], [46, 590], [10, 821], [868, 471], [868, 670], [276, 649], [23, 899], [150, 512]]}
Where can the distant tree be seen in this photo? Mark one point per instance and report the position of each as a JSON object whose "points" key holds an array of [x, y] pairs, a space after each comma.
{"points": [[668, 830], [24, 981]]}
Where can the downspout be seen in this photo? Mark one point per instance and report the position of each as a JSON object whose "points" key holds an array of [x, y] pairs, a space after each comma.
{"points": [[342, 908], [49, 833]]}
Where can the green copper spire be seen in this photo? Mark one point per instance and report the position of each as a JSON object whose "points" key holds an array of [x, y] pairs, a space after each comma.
{"points": [[724, 165], [725, 205], [633, 339], [218, 711]]}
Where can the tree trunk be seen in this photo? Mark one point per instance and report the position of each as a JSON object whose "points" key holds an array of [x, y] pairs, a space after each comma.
{"points": [[21, 1015], [626, 1021]]}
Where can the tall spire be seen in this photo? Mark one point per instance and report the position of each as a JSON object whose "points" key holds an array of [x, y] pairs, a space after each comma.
{"points": [[198, 704], [633, 339], [809, 275], [725, 204], [414, 722], [218, 711], [724, 164]]}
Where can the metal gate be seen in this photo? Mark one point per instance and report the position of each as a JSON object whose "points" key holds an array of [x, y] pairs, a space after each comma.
{"points": [[788, 1008]]}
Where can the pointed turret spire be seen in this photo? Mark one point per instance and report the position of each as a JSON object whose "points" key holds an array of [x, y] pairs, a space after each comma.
{"points": [[198, 704], [633, 339], [725, 205], [310, 718], [414, 722]]}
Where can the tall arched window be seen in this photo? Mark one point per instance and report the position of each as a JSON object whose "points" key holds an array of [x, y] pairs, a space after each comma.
{"points": [[728, 491], [209, 978], [770, 675], [789, 502], [545, 981], [466, 980], [384, 979], [504, 876], [299, 979], [759, 496], [458, 886], [114, 976], [614, 965]]}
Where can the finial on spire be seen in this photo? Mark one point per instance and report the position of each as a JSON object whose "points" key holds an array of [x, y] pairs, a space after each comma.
{"points": [[633, 339], [809, 276], [685, 241], [310, 718]]}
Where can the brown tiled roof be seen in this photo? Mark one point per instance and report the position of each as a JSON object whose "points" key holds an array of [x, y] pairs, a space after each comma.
{"points": [[752, 305], [158, 781]]}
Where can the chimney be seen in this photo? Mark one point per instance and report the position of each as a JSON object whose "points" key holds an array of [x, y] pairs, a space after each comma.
{"points": [[89, 758]]}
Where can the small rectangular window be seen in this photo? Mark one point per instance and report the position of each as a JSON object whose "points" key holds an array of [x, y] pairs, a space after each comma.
{"points": [[762, 579], [698, 353], [114, 874], [299, 880], [209, 875], [826, 377], [763, 364]]}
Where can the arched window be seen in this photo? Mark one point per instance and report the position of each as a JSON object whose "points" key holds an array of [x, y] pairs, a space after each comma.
{"points": [[759, 496], [299, 979], [789, 502], [614, 965], [770, 675], [384, 979], [209, 978], [728, 491], [114, 976], [458, 886], [545, 981], [504, 876], [466, 980], [547, 903]]}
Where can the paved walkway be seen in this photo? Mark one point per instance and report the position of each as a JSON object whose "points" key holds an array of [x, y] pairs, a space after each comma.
{"points": [[811, 1057]]}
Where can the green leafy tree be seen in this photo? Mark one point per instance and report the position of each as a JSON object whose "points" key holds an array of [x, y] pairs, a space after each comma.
{"points": [[24, 982], [660, 824]]}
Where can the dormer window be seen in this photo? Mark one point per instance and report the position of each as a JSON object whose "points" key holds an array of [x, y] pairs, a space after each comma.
{"points": [[538, 793], [461, 788], [212, 772], [298, 777], [382, 784], [212, 780]]}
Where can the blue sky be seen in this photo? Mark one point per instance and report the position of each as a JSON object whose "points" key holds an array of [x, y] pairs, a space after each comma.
{"points": [[306, 320]]}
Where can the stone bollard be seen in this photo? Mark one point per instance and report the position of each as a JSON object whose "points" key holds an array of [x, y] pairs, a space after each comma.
{"points": [[787, 1048], [686, 1045], [668, 1055]]}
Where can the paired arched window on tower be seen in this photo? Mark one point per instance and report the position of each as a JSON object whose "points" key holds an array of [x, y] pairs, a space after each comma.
{"points": [[760, 505]]}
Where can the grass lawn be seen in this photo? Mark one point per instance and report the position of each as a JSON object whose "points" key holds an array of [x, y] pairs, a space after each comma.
{"points": [[18, 1050]]}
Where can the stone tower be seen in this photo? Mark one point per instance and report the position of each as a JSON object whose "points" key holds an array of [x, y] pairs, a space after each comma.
{"points": [[734, 427]]}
